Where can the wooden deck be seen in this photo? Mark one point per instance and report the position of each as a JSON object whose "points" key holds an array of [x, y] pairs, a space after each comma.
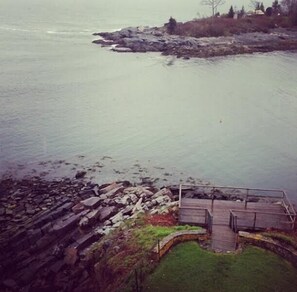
{"points": [[252, 216]]}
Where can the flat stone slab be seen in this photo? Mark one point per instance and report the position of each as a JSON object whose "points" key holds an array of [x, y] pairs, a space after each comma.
{"points": [[91, 203], [65, 225]]}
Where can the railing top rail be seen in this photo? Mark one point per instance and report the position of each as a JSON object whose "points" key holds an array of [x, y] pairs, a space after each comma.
{"points": [[235, 188], [234, 211], [194, 208]]}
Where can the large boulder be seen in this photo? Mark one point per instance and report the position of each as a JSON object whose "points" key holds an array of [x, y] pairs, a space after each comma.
{"points": [[90, 219], [161, 200], [138, 207], [110, 187], [117, 218], [107, 212], [163, 192]]}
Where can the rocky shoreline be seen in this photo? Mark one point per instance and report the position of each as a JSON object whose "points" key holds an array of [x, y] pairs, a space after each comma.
{"points": [[47, 228], [156, 39]]}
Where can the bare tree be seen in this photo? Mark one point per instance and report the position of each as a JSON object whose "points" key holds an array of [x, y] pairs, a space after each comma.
{"points": [[213, 4], [289, 6], [257, 5], [254, 4]]}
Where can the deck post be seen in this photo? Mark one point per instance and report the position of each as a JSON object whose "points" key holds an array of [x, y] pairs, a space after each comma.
{"points": [[255, 217], [208, 218], [180, 195], [212, 200]]}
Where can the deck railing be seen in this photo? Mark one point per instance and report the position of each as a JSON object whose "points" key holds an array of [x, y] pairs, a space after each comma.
{"points": [[258, 220], [246, 195], [203, 217]]}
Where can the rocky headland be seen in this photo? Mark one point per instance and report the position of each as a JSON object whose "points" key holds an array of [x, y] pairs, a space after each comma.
{"points": [[157, 39]]}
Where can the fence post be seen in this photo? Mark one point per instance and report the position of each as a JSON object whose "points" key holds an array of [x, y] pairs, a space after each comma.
{"points": [[212, 200], [159, 256], [211, 222], [180, 195], [136, 280], [233, 222], [246, 199]]}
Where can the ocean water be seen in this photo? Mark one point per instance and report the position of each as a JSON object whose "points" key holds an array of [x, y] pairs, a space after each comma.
{"points": [[67, 104]]}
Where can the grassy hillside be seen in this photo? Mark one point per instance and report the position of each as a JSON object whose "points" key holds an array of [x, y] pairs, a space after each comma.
{"points": [[189, 268]]}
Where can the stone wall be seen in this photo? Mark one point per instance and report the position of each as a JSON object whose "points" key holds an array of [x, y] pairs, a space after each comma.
{"points": [[171, 240], [288, 253]]}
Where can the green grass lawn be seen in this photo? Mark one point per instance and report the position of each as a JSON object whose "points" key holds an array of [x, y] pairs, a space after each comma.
{"points": [[189, 268]]}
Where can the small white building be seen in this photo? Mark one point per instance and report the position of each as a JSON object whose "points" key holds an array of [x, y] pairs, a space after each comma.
{"points": [[259, 12]]}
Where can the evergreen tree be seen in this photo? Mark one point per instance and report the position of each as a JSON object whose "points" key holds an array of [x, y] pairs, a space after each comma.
{"points": [[171, 26], [275, 4], [276, 8], [242, 12], [262, 7], [231, 12]]}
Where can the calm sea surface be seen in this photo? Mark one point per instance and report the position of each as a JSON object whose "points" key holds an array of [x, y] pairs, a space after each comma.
{"points": [[231, 121]]}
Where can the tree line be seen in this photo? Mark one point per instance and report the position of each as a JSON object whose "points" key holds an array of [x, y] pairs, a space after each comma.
{"points": [[285, 8]]}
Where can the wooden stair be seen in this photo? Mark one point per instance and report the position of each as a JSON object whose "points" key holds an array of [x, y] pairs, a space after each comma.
{"points": [[223, 239]]}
